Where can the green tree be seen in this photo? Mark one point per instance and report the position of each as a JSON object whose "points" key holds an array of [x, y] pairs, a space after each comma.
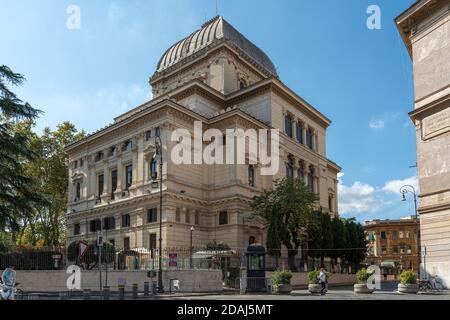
{"points": [[320, 240], [356, 244], [339, 239], [17, 198], [287, 210], [50, 169]]}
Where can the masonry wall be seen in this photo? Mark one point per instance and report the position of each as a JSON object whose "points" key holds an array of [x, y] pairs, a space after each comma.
{"points": [[54, 281]]}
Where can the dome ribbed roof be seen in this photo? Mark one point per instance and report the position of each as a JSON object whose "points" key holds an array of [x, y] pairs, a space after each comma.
{"points": [[212, 30]]}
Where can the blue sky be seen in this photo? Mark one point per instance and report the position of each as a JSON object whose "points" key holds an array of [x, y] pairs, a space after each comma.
{"points": [[359, 78]]}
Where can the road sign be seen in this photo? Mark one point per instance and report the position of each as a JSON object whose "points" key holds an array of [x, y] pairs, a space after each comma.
{"points": [[172, 259], [99, 239], [424, 251], [82, 248]]}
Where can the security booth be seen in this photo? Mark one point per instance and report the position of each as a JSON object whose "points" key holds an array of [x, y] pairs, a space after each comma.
{"points": [[256, 268]]}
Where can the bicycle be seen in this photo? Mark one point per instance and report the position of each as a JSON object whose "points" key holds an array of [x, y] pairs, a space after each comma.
{"points": [[431, 284]]}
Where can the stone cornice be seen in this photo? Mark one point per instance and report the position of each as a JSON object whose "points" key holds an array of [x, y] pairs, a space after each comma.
{"points": [[425, 110]]}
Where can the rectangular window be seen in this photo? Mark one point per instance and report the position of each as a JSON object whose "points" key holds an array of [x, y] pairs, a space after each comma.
{"points": [[197, 218], [401, 234], [109, 223], [299, 132], [101, 182], [158, 132], [223, 217], [95, 225], [126, 243], [383, 235], [383, 250], [129, 176], [309, 138], [394, 234], [152, 215], [407, 234], [188, 216], [76, 229], [178, 215], [148, 135], [126, 220], [395, 250], [113, 182], [75, 164], [81, 163], [288, 125], [152, 241]]}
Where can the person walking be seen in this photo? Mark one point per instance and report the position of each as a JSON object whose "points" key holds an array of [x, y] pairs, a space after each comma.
{"points": [[322, 280]]}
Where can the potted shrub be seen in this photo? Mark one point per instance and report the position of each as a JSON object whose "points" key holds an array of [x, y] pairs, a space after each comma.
{"points": [[362, 276], [408, 282], [281, 281], [314, 286]]}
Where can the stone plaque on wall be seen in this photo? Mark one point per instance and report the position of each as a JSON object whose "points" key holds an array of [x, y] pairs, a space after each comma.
{"points": [[436, 124]]}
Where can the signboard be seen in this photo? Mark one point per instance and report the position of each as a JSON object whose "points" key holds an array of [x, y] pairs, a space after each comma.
{"points": [[56, 256], [82, 248], [99, 239], [172, 259], [424, 251]]}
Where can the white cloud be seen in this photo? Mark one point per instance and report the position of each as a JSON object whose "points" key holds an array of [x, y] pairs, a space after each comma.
{"points": [[376, 124], [395, 185], [359, 198]]}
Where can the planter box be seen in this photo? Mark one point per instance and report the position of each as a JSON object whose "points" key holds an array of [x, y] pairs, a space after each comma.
{"points": [[282, 288], [408, 288], [315, 288], [361, 288]]}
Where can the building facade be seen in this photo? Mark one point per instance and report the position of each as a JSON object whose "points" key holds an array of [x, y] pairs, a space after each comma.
{"points": [[393, 245], [218, 78], [425, 28]]}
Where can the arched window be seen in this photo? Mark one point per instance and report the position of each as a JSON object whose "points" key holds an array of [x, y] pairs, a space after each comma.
{"points": [[251, 240], [242, 84], [251, 175], [153, 169], [288, 124]]}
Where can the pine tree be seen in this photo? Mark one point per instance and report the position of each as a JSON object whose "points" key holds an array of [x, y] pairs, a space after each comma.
{"points": [[16, 195]]}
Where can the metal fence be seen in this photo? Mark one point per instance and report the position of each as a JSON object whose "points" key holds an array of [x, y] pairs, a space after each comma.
{"points": [[230, 261]]}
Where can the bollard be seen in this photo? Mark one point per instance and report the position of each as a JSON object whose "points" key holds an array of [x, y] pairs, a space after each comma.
{"points": [[154, 288], [135, 291], [106, 293], [87, 294], [121, 292], [146, 289]]}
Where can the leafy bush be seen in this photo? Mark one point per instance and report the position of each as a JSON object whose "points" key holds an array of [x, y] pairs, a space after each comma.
{"points": [[363, 275], [313, 276], [282, 277], [217, 246], [408, 277]]}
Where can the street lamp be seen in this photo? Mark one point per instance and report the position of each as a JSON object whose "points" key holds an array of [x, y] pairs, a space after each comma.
{"points": [[404, 190], [409, 189], [158, 146], [190, 248]]}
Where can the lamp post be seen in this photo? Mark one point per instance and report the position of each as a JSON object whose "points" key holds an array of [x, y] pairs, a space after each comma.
{"points": [[190, 248], [404, 190], [158, 146]]}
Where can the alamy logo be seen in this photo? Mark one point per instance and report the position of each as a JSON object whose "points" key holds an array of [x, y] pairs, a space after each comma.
{"points": [[374, 20], [74, 280], [236, 147], [374, 281], [74, 19]]}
